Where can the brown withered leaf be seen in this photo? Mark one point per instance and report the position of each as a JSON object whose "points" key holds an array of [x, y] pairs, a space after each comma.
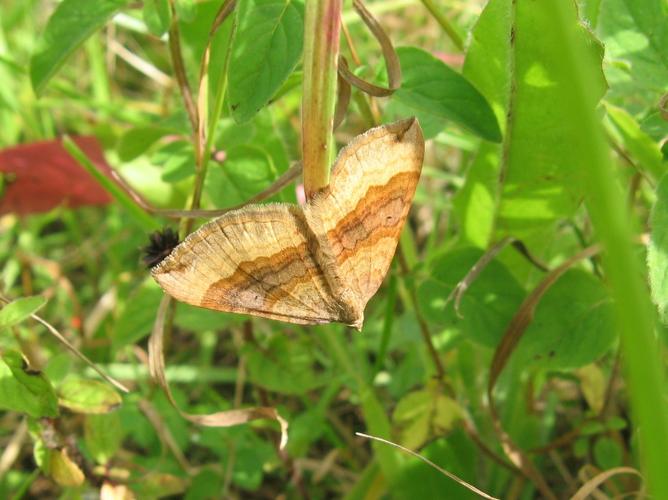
{"points": [[40, 176]]}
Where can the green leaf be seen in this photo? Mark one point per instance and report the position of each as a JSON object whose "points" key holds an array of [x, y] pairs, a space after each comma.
{"points": [[206, 484], [486, 307], [266, 48], [475, 203], [23, 390], [543, 168], [636, 43], [644, 150], [157, 16], [69, 26], [88, 396], [196, 319], [137, 317], [186, 10], [305, 429], [573, 324], [457, 454], [431, 88], [138, 215], [177, 159], [103, 435], [423, 414], [63, 470], [137, 140], [607, 453], [523, 80], [286, 366], [246, 171], [20, 309], [252, 454], [657, 253]]}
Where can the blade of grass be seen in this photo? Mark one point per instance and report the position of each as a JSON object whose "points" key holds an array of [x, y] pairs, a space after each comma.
{"points": [[147, 222], [614, 228]]}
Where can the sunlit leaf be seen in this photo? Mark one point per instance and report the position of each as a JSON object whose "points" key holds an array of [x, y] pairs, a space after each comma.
{"points": [[69, 26], [103, 435], [642, 148], [157, 16], [88, 396], [636, 43], [430, 87], [657, 252], [423, 414], [24, 390], [63, 470], [20, 309], [266, 48]]}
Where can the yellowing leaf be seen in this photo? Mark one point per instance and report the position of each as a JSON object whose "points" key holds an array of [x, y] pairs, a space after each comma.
{"points": [[593, 386], [423, 414], [88, 396], [63, 470]]}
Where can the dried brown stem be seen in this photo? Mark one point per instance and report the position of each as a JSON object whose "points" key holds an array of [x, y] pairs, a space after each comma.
{"points": [[180, 69]]}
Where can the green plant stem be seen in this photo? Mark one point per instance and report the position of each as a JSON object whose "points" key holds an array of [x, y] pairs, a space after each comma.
{"points": [[614, 228], [322, 26], [205, 125], [138, 214], [444, 22]]}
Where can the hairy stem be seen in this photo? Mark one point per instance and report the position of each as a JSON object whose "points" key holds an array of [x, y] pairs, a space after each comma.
{"points": [[322, 27]]}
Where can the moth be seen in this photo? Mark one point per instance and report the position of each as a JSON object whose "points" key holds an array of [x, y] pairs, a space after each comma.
{"points": [[318, 263]]}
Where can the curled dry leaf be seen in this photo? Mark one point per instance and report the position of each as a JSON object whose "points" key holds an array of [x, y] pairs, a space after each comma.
{"points": [[389, 54], [590, 486], [156, 364]]}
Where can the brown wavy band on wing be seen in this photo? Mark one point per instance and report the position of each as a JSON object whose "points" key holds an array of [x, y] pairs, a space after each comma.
{"points": [[379, 214], [266, 281]]}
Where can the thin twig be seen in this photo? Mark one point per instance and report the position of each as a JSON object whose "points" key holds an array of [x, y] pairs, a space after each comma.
{"points": [[73, 349], [139, 64], [180, 70], [450, 475]]}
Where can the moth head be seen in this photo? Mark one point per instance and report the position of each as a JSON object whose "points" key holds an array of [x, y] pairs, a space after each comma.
{"points": [[161, 243]]}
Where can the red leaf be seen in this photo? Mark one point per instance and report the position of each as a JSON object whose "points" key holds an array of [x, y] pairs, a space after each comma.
{"points": [[41, 176]]}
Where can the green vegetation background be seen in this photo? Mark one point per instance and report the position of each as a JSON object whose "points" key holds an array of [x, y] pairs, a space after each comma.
{"points": [[546, 127]]}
